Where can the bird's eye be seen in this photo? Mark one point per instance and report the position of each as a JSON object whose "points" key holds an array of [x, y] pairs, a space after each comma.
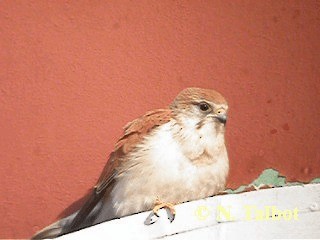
{"points": [[204, 106]]}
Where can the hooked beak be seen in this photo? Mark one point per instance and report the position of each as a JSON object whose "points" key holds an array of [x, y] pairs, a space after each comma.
{"points": [[221, 116]]}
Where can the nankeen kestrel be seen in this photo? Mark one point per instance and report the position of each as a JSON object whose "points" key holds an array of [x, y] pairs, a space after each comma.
{"points": [[165, 157]]}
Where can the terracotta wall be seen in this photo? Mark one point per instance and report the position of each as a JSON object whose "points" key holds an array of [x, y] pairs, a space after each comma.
{"points": [[74, 72]]}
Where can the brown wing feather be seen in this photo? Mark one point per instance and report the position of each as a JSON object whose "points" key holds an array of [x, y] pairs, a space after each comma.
{"points": [[134, 132]]}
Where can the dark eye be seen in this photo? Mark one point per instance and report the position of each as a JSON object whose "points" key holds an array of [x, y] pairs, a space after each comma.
{"points": [[204, 106]]}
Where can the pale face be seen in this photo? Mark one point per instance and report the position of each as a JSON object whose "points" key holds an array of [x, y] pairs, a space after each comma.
{"points": [[200, 126], [200, 114], [209, 113]]}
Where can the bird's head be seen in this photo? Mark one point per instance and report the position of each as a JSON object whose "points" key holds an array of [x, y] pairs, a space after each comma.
{"points": [[202, 109]]}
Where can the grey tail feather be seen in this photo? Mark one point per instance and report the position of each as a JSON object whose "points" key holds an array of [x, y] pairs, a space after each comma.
{"points": [[54, 230], [83, 218]]}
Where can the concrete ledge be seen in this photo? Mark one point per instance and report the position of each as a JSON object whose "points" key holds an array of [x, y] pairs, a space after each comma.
{"points": [[286, 212]]}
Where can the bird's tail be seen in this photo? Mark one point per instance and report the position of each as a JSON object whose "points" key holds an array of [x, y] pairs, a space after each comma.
{"points": [[83, 218], [52, 231], [56, 229]]}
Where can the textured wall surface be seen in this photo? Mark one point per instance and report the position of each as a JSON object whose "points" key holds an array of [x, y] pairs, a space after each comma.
{"points": [[74, 72]]}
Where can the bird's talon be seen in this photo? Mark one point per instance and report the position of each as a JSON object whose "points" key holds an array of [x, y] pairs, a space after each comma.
{"points": [[151, 219], [171, 212], [156, 213], [171, 215]]}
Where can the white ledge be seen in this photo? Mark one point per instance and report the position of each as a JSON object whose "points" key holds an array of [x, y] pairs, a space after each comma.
{"points": [[200, 219]]}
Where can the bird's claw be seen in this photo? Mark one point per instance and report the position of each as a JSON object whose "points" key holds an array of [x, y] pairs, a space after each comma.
{"points": [[171, 212], [151, 219]]}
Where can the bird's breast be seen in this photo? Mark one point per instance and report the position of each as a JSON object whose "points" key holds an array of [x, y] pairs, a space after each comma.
{"points": [[160, 168]]}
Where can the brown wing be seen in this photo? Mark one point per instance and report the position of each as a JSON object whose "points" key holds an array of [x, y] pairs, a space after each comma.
{"points": [[134, 132]]}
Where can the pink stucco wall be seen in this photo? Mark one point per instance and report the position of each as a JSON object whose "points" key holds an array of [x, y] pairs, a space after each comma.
{"points": [[74, 72]]}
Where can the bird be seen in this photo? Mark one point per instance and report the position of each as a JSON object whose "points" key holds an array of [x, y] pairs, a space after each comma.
{"points": [[165, 157]]}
